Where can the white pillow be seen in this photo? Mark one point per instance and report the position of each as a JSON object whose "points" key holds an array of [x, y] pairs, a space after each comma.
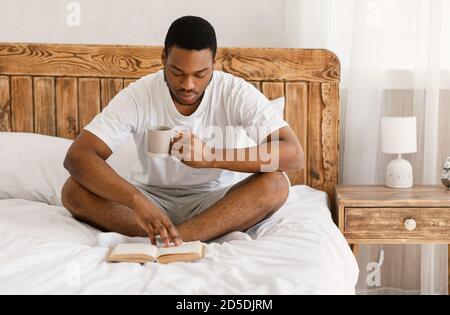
{"points": [[32, 168], [31, 165]]}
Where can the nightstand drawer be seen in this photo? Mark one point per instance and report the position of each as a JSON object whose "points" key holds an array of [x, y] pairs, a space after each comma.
{"points": [[397, 223]]}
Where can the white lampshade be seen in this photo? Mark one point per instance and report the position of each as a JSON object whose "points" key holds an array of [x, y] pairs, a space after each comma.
{"points": [[398, 135]]}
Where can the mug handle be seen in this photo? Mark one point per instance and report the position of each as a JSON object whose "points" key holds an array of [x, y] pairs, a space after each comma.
{"points": [[180, 129], [177, 130]]}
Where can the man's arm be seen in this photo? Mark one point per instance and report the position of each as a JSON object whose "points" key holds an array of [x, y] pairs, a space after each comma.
{"points": [[280, 154], [85, 161], [280, 151]]}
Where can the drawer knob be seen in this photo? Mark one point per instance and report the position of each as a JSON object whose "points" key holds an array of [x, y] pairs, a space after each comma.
{"points": [[410, 224]]}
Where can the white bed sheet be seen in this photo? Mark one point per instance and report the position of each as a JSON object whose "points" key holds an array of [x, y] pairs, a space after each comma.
{"points": [[298, 250]]}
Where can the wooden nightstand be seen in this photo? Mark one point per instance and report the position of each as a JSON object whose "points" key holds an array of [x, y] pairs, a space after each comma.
{"points": [[382, 215]]}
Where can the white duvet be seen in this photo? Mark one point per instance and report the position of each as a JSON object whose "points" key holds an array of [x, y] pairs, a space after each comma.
{"points": [[299, 250]]}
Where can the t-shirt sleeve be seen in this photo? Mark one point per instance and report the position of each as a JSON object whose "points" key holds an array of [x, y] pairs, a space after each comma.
{"points": [[256, 114], [117, 120]]}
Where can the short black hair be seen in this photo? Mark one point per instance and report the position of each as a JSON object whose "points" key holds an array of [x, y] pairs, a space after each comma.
{"points": [[191, 33]]}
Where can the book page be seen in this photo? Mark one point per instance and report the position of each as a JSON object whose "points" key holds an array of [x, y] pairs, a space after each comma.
{"points": [[185, 248], [135, 249]]}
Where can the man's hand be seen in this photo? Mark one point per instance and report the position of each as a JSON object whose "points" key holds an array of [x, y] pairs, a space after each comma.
{"points": [[155, 222], [191, 150]]}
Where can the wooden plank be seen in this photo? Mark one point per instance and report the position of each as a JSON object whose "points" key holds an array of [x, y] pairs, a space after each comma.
{"points": [[339, 217], [280, 64], [272, 90], [66, 107], [127, 82], [109, 88], [314, 158], [89, 100], [371, 223], [22, 104], [396, 241], [119, 61], [323, 136], [380, 195], [330, 136], [44, 106], [355, 249], [79, 60], [5, 104], [296, 114], [256, 84]]}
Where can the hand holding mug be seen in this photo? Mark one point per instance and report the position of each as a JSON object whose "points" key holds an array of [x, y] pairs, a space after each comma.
{"points": [[160, 138], [191, 150]]}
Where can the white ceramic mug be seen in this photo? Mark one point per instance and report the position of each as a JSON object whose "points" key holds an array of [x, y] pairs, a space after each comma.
{"points": [[159, 138]]}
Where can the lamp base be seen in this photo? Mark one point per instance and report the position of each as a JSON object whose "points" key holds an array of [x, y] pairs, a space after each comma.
{"points": [[399, 174]]}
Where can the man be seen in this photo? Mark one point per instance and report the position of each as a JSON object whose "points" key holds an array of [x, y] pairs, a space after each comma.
{"points": [[194, 197]]}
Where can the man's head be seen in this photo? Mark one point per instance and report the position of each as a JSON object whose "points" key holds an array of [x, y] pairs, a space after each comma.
{"points": [[188, 58]]}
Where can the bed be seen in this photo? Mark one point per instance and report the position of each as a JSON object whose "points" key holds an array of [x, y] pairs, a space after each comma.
{"points": [[49, 92]]}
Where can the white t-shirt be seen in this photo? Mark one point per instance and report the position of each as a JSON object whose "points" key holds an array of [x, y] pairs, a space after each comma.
{"points": [[227, 101]]}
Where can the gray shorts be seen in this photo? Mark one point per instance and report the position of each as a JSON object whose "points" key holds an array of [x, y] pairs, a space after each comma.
{"points": [[183, 203]]}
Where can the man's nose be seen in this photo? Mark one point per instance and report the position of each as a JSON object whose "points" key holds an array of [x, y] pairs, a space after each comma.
{"points": [[188, 83]]}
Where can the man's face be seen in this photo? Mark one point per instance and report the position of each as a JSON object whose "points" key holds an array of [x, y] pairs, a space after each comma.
{"points": [[187, 73]]}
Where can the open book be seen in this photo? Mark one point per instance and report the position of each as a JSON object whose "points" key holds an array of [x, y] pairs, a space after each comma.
{"points": [[143, 253]]}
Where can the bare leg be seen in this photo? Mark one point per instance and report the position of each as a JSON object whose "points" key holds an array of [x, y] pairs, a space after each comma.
{"points": [[103, 214], [246, 204]]}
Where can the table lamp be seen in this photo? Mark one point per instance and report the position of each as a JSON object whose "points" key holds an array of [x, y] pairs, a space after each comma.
{"points": [[398, 136]]}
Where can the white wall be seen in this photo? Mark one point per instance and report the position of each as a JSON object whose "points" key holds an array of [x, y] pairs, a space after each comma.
{"points": [[240, 23]]}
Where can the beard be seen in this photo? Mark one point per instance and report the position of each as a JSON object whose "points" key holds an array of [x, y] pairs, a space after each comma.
{"points": [[181, 102]]}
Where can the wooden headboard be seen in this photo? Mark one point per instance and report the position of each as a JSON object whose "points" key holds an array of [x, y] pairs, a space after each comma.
{"points": [[57, 89]]}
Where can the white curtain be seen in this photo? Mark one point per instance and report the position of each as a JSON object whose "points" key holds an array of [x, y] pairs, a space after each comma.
{"points": [[395, 58]]}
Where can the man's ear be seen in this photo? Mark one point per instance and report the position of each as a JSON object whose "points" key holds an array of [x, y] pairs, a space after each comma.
{"points": [[163, 57]]}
